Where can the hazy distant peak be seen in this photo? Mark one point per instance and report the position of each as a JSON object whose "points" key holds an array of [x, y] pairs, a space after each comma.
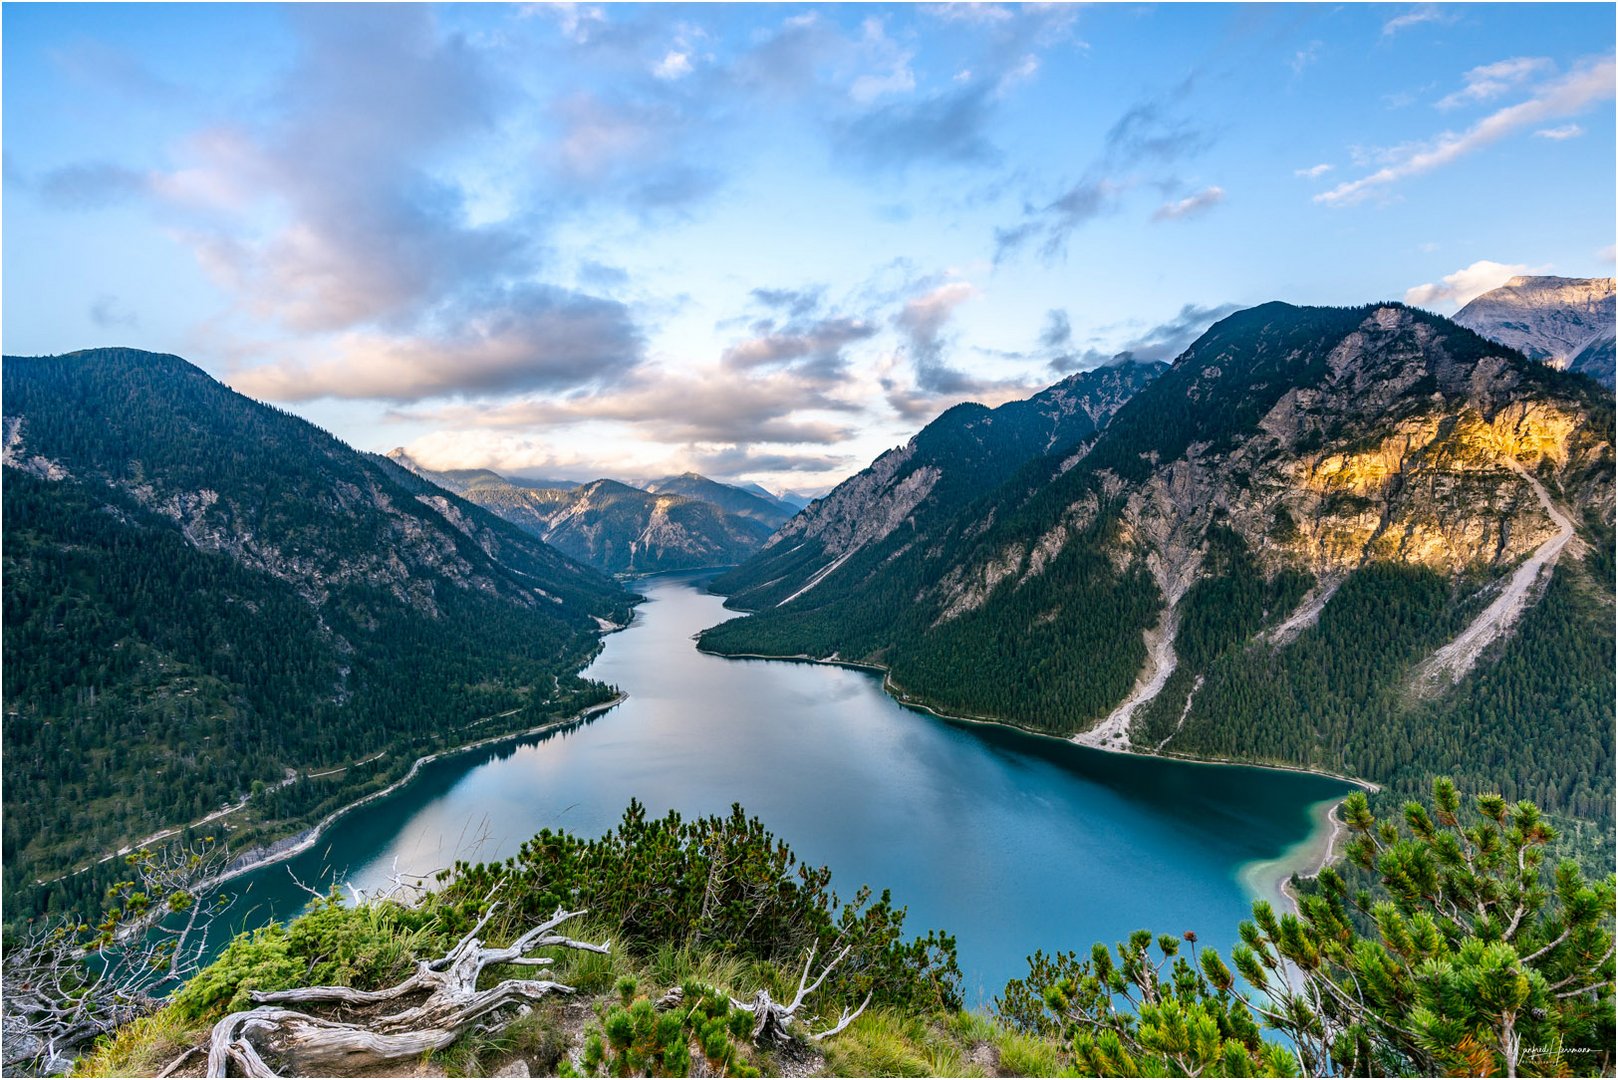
{"points": [[1565, 322]]}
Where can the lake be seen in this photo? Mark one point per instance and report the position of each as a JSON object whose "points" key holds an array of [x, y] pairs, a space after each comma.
{"points": [[1008, 840]]}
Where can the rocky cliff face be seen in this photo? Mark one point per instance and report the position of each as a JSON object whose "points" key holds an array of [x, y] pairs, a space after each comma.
{"points": [[1565, 322], [911, 492]]}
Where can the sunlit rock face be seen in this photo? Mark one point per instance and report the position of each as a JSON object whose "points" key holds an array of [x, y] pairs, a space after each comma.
{"points": [[1402, 453], [1408, 443], [1565, 322]]}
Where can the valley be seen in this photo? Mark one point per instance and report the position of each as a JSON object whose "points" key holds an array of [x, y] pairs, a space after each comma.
{"points": [[879, 793], [798, 539]]}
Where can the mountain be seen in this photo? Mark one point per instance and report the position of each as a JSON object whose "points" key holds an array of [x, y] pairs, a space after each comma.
{"points": [[618, 528], [460, 481], [764, 507], [888, 511], [1566, 322], [206, 597], [793, 500], [1362, 540], [797, 499]]}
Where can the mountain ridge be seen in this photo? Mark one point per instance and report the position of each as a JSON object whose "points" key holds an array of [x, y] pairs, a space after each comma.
{"points": [[621, 528]]}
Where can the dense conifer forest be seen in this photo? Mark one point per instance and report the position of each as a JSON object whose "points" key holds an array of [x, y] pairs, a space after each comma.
{"points": [[208, 600]]}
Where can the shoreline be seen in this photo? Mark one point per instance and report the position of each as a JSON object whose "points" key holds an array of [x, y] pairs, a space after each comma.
{"points": [[1268, 879], [1271, 879], [307, 839], [900, 697]]}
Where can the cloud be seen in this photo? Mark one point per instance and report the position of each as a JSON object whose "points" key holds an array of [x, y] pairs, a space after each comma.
{"points": [[630, 149], [816, 348], [1163, 342], [892, 74], [1426, 13], [950, 128], [1467, 283], [1559, 134], [598, 275], [712, 405], [1170, 338], [1059, 219], [1058, 331], [105, 313], [1147, 136], [973, 12], [1304, 57], [1564, 96], [934, 384], [1491, 80], [118, 69], [922, 319], [1191, 205], [526, 338], [735, 462], [91, 186], [361, 231], [1313, 172], [1608, 253], [518, 454], [674, 65], [795, 302]]}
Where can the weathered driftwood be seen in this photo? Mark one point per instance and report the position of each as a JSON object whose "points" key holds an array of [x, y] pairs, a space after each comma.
{"points": [[772, 1020], [64, 983], [435, 1006]]}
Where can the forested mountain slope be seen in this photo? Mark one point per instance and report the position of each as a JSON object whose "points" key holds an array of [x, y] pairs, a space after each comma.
{"points": [[1365, 540], [885, 514], [205, 596], [621, 529]]}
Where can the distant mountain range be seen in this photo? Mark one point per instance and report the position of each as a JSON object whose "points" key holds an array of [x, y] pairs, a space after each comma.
{"points": [[674, 523], [1365, 540], [1565, 322], [203, 592]]}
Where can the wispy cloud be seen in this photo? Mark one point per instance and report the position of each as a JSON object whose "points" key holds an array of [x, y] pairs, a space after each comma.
{"points": [[1561, 97], [1489, 81], [1559, 134], [935, 384], [1313, 172], [1198, 203], [1164, 341], [1149, 137], [1305, 57], [950, 127], [1426, 13], [91, 185], [106, 313]]}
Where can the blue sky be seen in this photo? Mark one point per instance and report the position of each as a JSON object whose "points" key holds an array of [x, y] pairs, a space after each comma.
{"points": [[768, 241]]}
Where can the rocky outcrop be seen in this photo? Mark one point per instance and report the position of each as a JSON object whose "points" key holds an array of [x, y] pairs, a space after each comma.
{"points": [[1565, 322]]}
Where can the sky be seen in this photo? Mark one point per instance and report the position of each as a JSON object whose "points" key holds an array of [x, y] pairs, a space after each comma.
{"points": [[762, 242]]}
